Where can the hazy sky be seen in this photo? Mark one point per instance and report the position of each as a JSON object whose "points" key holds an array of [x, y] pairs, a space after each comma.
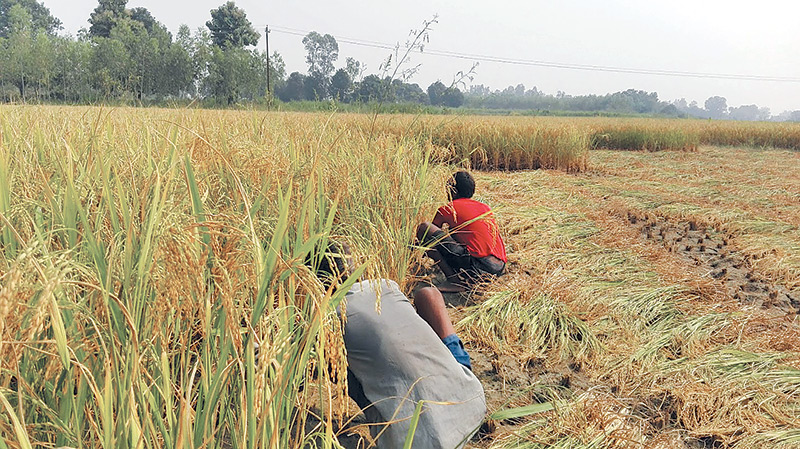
{"points": [[732, 37]]}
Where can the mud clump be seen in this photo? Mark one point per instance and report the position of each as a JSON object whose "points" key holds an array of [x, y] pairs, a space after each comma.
{"points": [[708, 249]]}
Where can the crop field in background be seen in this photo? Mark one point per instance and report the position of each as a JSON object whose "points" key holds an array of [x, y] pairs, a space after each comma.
{"points": [[153, 291]]}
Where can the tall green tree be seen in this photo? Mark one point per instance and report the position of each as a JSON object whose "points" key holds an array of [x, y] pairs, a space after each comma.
{"points": [[27, 55], [749, 112], [373, 88], [294, 88], [436, 93], [105, 16], [199, 47], [71, 70], [174, 75], [235, 74], [409, 93], [717, 106], [354, 68], [441, 95], [230, 27], [321, 53], [341, 85], [143, 55], [317, 87], [198, 63], [111, 68], [143, 16], [40, 17], [277, 72], [633, 100], [15, 51], [452, 97]]}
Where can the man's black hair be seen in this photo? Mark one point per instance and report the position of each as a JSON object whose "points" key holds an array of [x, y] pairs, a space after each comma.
{"points": [[330, 264], [462, 185]]}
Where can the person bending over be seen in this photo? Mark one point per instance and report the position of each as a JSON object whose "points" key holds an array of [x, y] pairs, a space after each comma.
{"points": [[401, 356], [472, 249]]}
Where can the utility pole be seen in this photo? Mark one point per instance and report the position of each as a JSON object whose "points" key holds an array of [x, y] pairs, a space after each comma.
{"points": [[269, 88]]}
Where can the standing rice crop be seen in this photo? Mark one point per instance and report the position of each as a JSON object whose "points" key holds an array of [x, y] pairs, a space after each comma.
{"points": [[153, 285], [510, 144]]}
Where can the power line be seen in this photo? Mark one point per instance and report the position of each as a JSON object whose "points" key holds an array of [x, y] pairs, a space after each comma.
{"points": [[550, 64], [299, 32], [338, 39]]}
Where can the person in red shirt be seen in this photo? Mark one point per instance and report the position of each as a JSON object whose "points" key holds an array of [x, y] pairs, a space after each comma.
{"points": [[472, 248]]}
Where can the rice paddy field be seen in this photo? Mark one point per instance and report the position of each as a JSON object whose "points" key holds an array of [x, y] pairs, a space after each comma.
{"points": [[154, 293]]}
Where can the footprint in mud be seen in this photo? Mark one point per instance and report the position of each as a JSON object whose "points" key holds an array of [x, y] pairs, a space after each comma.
{"points": [[707, 249], [505, 377]]}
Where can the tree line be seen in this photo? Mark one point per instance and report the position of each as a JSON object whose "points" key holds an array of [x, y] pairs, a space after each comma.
{"points": [[127, 55], [630, 101], [716, 107], [348, 84]]}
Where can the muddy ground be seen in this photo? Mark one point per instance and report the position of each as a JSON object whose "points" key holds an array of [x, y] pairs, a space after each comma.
{"points": [[711, 251]]}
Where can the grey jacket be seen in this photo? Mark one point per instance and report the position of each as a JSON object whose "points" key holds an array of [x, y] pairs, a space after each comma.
{"points": [[399, 360]]}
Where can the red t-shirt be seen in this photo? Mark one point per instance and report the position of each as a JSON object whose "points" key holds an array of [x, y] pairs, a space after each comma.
{"points": [[482, 236]]}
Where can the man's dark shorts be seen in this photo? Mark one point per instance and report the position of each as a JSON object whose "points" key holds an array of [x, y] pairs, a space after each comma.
{"points": [[469, 268]]}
